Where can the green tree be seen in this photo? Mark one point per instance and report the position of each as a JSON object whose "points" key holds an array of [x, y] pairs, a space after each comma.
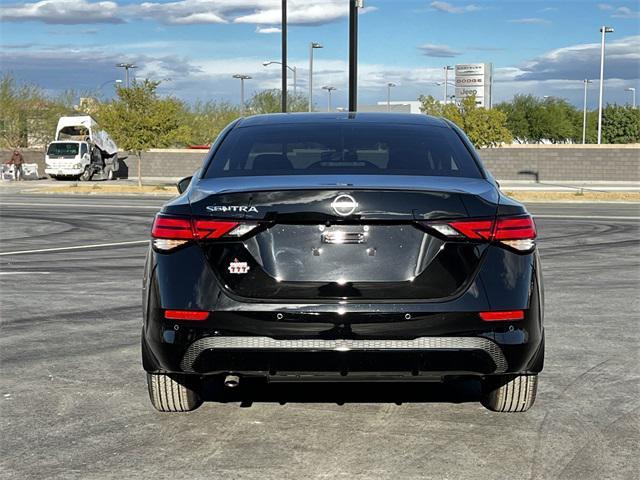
{"points": [[270, 101], [484, 127], [207, 119], [533, 120], [620, 124], [139, 120], [27, 116]]}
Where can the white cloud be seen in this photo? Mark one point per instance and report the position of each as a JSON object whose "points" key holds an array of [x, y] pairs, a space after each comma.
{"points": [[582, 61], [268, 29], [530, 21], [449, 8], [440, 51], [70, 12], [179, 12], [619, 12], [625, 12]]}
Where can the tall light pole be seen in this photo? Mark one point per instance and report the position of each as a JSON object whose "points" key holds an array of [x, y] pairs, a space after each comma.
{"points": [[389, 85], [329, 90], [295, 75], [586, 82], [604, 30], [353, 53], [447, 69], [242, 78], [633, 95], [126, 67], [284, 56], [312, 46]]}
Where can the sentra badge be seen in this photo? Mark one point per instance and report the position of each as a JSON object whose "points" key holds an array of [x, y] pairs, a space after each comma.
{"points": [[232, 208], [238, 267]]}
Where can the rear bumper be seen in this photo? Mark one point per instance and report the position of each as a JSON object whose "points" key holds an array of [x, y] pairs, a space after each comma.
{"points": [[268, 355], [63, 171], [383, 338]]}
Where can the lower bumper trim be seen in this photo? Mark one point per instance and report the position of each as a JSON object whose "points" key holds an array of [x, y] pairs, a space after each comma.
{"points": [[343, 345]]}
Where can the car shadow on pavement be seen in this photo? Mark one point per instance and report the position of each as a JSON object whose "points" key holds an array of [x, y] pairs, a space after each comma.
{"points": [[260, 391]]}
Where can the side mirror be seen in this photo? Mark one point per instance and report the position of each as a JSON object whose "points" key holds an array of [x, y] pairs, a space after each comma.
{"points": [[183, 184]]}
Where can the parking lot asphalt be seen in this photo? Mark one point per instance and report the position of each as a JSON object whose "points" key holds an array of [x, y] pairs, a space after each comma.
{"points": [[73, 398]]}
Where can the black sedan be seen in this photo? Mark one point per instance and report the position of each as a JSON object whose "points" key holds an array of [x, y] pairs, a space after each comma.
{"points": [[342, 247]]}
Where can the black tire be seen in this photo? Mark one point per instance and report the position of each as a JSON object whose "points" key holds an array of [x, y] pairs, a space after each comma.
{"points": [[170, 393], [510, 393], [55, 177], [86, 175]]}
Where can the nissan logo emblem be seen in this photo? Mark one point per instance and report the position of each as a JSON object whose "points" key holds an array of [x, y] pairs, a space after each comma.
{"points": [[344, 205]]}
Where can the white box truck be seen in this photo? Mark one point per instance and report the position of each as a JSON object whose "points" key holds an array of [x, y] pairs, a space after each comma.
{"points": [[81, 150]]}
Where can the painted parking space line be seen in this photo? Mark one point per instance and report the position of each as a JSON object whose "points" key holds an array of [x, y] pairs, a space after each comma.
{"points": [[83, 205], [75, 247], [587, 217], [24, 273]]}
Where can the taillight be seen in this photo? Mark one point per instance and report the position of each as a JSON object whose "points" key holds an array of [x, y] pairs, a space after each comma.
{"points": [[502, 316], [516, 232], [193, 315], [169, 232]]}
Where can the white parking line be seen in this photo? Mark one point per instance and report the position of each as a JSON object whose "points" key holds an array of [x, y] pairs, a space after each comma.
{"points": [[24, 273], [77, 247], [588, 217], [87, 205]]}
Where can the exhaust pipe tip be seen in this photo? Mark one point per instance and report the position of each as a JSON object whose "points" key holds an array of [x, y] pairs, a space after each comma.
{"points": [[231, 381]]}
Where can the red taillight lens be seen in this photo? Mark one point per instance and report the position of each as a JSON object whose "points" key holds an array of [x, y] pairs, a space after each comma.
{"points": [[516, 232], [172, 228], [502, 316], [515, 228], [477, 229], [194, 315], [212, 228], [169, 232]]}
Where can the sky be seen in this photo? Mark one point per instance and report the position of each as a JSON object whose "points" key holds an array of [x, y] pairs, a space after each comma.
{"points": [[195, 46]]}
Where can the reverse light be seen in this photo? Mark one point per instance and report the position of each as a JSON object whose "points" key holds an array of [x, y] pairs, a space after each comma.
{"points": [[193, 315], [501, 316], [169, 232]]}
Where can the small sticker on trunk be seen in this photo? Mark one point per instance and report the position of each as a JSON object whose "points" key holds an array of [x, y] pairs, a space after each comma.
{"points": [[238, 267]]}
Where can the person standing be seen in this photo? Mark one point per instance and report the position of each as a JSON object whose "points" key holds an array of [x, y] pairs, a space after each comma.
{"points": [[16, 160]]}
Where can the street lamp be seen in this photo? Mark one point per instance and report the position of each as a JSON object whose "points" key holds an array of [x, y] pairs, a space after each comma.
{"points": [[293, 69], [116, 82], [604, 30], [126, 67], [584, 112], [312, 45], [389, 85], [242, 79], [447, 69], [329, 90], [633, 95]]}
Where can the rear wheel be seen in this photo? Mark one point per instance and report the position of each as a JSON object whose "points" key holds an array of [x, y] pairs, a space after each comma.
{"points": [[509, 393], [172, 393]]}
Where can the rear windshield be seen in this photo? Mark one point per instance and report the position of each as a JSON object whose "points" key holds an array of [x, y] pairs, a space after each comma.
{"points": [[321, 149], [63, 149]]}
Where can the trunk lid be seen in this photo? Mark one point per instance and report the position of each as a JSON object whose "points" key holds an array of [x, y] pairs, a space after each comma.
{"points": [[344, 238]]}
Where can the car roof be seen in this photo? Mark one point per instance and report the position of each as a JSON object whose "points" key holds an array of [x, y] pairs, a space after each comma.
{"points": [[326, 118]]}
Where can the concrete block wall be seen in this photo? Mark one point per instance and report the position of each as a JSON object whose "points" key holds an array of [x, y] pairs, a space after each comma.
{"points": [[565, 162], [551, 162]]}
